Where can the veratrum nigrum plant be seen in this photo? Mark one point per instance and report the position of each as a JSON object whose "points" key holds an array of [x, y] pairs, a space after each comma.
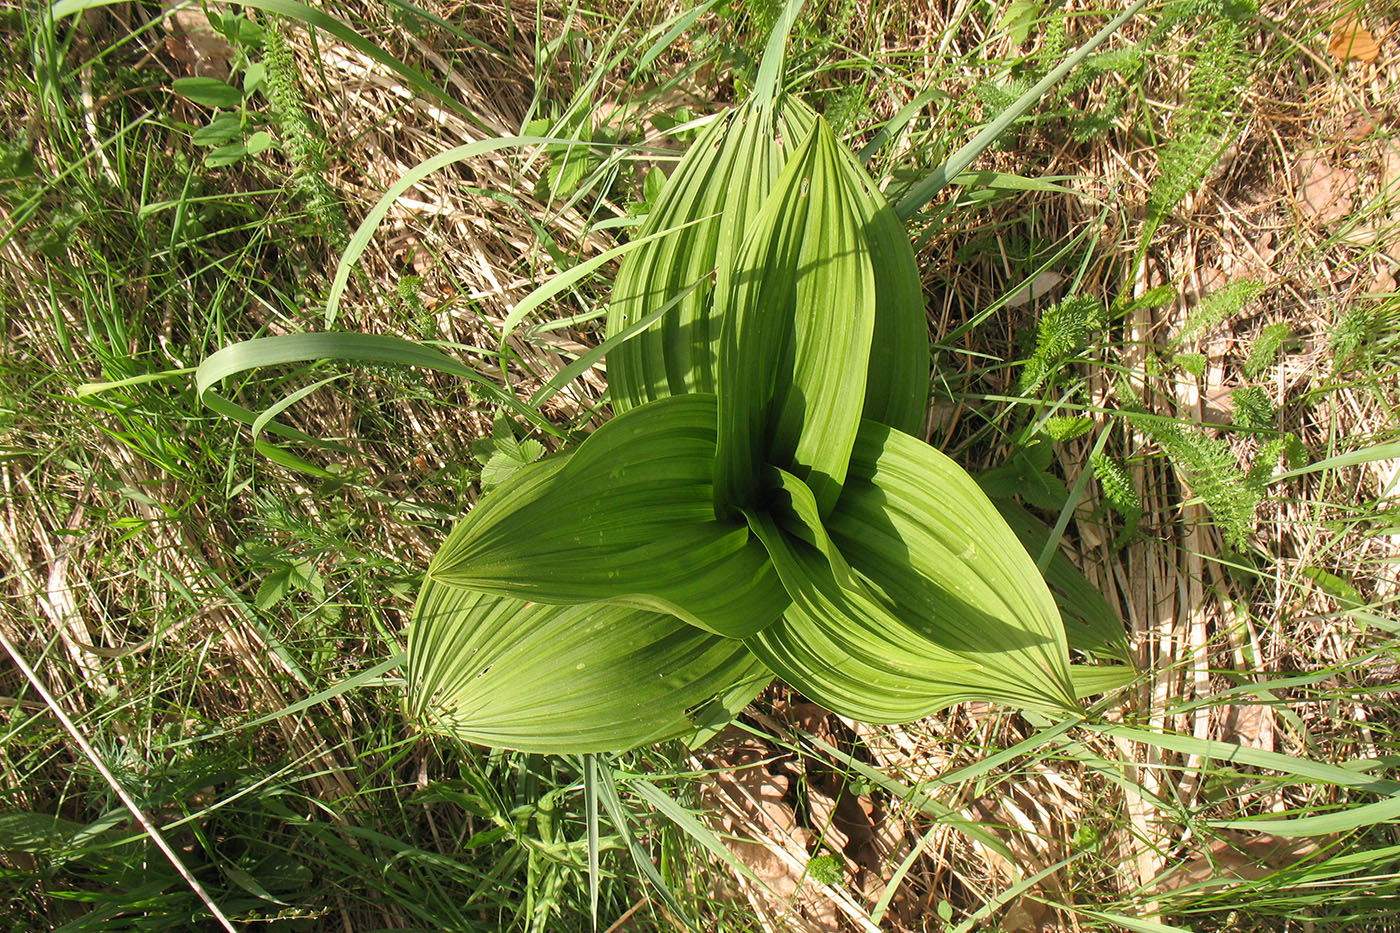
{"points": [[760, 504]]}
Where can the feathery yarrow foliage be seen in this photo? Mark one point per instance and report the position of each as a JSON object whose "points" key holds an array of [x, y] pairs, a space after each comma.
{"points": [[760, 504]]}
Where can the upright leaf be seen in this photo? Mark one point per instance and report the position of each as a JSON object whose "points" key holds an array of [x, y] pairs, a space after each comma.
{"points": [[567, 679], [798, 316], [628, 519], [897, 381], [709, 202]]}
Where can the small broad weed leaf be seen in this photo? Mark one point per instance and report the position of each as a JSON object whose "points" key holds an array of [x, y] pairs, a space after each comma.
{"points": [[502, 453], [223, 128], [209, 92]]}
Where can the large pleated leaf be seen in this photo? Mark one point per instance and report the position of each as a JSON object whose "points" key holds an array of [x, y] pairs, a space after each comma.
{"points": [[709, 201], [897, 381], [844, 646], [629, 519], [954, 609], [568, 679], [1091, 625], [798, 315]]}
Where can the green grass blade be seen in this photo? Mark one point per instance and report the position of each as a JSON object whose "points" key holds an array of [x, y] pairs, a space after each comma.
{"points": [[306, 348], [957, 163], [610, 344], [1321, 824], [691, 826], [770, 67], [1299, 769], [1386, 451], [607, 786], [590, 816], [364, 233]]}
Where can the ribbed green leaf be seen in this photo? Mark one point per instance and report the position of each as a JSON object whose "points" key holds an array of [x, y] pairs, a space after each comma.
{"points": [[1091, 626], [566, 679], [798, 315], [955, 609], [897, 380], [717, 190], [843, 646], [628, 518]]}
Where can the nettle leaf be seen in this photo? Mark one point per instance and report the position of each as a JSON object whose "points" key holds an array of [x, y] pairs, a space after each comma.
{"points": [[717, 190], [568, 679], [798, 316], [954, 608], [629, 519]]}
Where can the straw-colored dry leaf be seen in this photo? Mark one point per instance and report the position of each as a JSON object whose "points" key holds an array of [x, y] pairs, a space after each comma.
{"points": [[749, 797], [1352, 42], [1250, 724]]}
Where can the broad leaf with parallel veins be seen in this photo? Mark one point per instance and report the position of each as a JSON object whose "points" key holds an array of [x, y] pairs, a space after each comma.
{"points": [[628, 519], [568, 679], [949, 606], [798, 313], [709, 201]]}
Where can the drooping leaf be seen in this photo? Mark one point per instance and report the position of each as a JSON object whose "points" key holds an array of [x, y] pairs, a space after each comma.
{"points": [[843, 646], [1091, 625], [567, 679], [628, 518], [958, 610], [798, 315], [710, 201]]}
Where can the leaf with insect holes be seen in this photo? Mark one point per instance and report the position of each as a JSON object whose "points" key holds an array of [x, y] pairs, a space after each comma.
{"points": [[626, 519], [568, 679]]}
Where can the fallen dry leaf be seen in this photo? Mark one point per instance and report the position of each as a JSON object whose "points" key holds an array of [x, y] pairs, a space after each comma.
{"points": [[1235, 855], [1352, 42], [1250, 724], [195, 43], [1324, 191]]}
